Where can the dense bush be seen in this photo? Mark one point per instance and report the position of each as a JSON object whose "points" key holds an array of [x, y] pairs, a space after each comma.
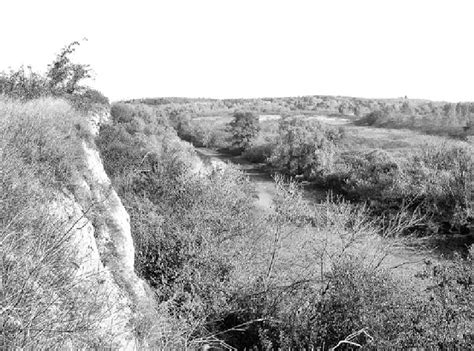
{"points": [[298, 276], [444, 119], [274, 303], [23, 84], [359, 296], [433, 181], [62, 79], [186, 224], [449, 304], [208, 134], [258, 153], [314, 290], [440, 175], [244, 128], [305, 147], [371, 118]]}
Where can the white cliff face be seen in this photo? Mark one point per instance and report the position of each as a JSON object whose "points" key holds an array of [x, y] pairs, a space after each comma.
{"points": [[113, 313], [104, 250]]}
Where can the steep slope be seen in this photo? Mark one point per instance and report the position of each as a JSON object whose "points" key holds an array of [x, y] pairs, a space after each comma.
{"points": [[104, 245], [67, 275]]}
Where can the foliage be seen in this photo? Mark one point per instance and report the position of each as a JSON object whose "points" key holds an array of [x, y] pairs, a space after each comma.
{"points": [[63, 76], [355, 296], [321, 289], [371, 118], [44, 302], [451, 301], [433, 181], [454, 119], [23, 84], [258, 153], [87, 100], [62, 79], [310, 278], [300, 276], [186, 224], [305, 148], [244, 127], [35, 129], [444, 119], [359, 296]]}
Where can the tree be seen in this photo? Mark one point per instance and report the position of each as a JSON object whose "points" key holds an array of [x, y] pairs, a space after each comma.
{"points": [[244, 128], [304, 147], [63, 75], [62, 79]]}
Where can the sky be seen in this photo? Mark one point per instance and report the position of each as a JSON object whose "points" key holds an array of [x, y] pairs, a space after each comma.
{"points": [[252, 48]]}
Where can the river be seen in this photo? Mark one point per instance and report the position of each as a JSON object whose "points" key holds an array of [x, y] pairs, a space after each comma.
{"points": [[407, 259], [262, 180]]}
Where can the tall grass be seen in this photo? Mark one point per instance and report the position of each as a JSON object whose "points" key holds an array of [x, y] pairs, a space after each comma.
{"points": [[43, 302]]}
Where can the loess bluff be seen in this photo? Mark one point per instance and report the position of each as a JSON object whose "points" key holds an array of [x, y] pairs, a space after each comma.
{"points": [[103, 248]]}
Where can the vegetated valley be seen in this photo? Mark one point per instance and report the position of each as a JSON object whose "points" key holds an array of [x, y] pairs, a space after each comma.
{"points": [[296, 223]]}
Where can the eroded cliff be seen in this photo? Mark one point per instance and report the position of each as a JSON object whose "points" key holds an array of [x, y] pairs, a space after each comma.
{"points": [[103, 246]]}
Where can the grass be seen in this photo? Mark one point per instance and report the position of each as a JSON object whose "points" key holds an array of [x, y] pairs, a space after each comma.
{"points": [[44, 303], [289, 277]]}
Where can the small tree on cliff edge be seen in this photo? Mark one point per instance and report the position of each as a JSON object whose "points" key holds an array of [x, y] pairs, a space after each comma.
{"points": [[244, 128], [63, 75]]}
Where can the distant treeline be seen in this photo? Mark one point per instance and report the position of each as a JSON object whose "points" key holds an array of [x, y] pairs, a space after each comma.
{"points": [[429, 116]]}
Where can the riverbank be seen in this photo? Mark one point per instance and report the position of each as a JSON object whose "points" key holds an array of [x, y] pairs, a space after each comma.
{"points": [[405, 256]]}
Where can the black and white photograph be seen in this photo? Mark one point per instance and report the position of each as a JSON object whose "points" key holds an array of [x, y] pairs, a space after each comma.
{"points": [[237, 175]]}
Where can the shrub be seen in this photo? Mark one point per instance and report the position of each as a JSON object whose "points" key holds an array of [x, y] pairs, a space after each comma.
{"points": [[188, 221], [289, 265], [244, 127], [88, 100], [330, 283], [258, 153], [433, 181], [121, 153], [182, 124], [356, 296], [185, 225], [62, 79], [372, 118], [44, 303], [439, 176], [121, 113], [369, 176], [23, 84], [448, 306], [63, 76], [300, 276], [304, 148]]}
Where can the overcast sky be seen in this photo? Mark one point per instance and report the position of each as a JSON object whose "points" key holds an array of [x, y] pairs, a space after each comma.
{"points": [[256, 48]]}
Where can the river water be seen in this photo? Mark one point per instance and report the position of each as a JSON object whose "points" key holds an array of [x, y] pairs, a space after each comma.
{"points": [[263, 182]]}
